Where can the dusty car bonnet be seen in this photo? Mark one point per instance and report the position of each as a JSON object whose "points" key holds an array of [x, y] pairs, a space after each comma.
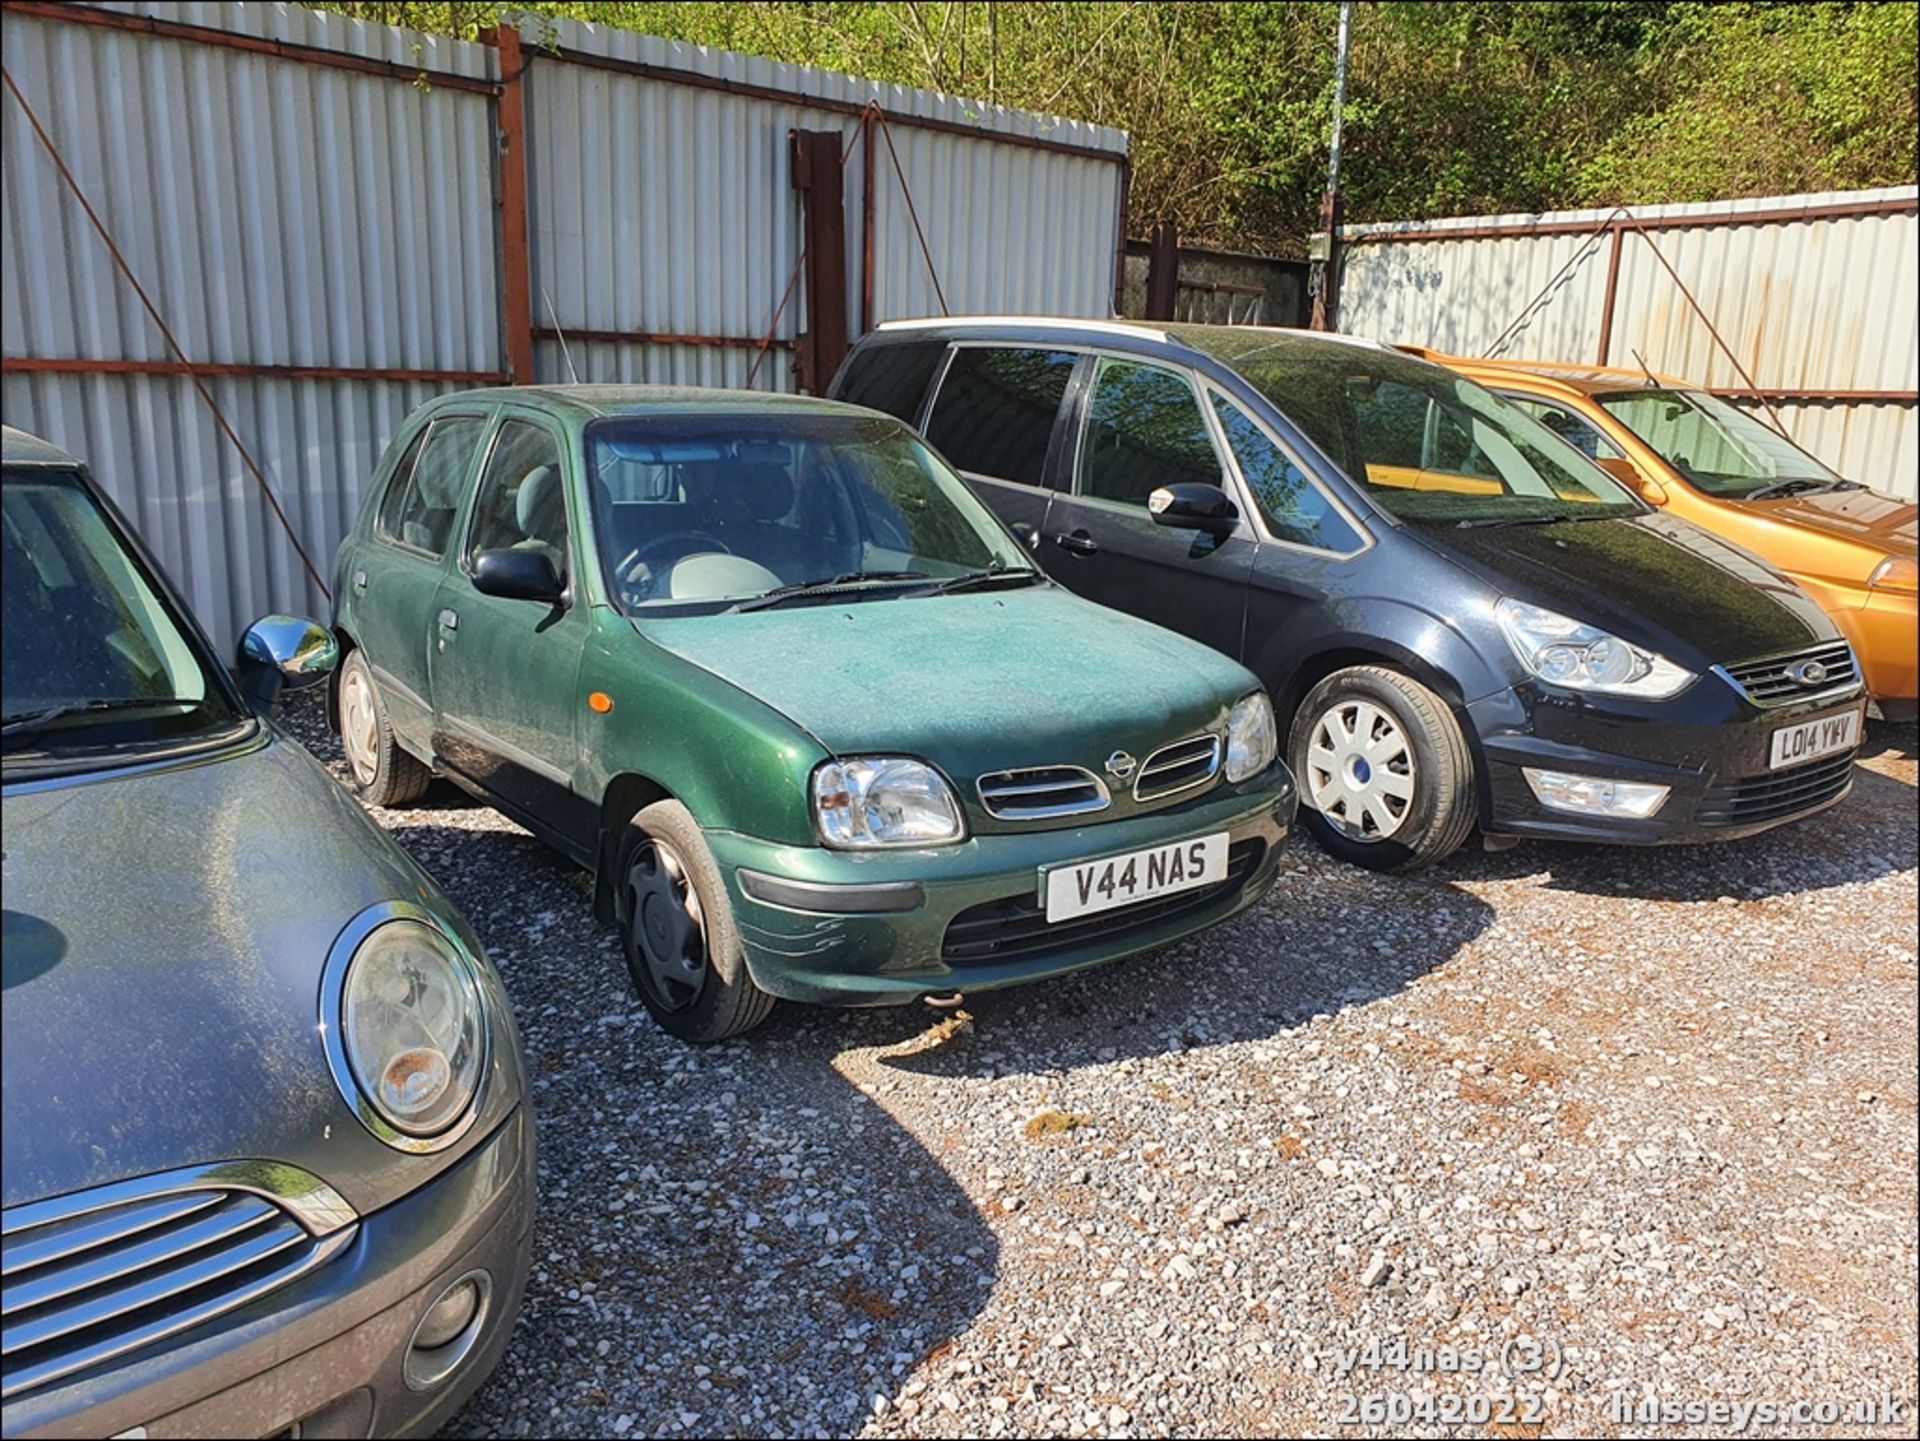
{"points": [[970, 682], [1655, 580], [164, 938]]}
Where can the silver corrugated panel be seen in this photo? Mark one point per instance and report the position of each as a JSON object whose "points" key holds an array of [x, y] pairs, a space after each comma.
{"points": [[289, 214], [154, 447], [664, 208], [278, 214], [1824, 304]]}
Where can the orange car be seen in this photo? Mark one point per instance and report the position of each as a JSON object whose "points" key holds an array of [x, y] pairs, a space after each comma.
{"points": [[1852, 549]]}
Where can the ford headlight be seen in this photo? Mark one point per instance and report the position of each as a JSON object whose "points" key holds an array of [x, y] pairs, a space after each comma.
{"points": [[868, 801], [1252, 738], [408, 1024], [1565, 652]]}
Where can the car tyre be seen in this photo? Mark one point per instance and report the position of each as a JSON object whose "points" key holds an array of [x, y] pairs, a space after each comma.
{"points": [[384, 774], [677, 930], [1386, 779]]}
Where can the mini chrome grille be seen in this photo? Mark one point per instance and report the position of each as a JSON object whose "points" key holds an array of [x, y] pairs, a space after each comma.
{"points": [[1803, 675], [1041, 793], [1178, 767], [88, 1277]]}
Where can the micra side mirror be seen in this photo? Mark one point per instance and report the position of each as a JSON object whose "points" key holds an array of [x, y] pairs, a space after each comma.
{"points": [[518, 575], [1194, 505], [283, 652]]}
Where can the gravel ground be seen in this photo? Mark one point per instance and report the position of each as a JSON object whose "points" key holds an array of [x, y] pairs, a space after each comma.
{"points": [[1640, 1123]]}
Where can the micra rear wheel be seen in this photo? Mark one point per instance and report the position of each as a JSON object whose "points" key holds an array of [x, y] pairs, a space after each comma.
{"points": [[383, 773], [1386, 779], [676, 927]]}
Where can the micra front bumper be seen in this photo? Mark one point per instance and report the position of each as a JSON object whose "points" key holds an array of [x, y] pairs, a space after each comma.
{"points": [[326, 1355], [879, 929], [1710, 745]]}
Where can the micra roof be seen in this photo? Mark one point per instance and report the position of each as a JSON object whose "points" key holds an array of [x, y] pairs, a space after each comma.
{"points": [[19, 448]]}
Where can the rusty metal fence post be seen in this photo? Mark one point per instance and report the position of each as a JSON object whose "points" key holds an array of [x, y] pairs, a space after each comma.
{"points": [[817, 175]]}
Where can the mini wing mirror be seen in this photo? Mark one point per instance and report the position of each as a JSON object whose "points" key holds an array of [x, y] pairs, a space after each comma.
{"points": [[284, 652], [1029, 537], [518, 575], [1635, 479], [1194, 505]]}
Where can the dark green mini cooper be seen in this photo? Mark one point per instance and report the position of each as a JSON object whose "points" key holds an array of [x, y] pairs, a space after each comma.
{"points": [[810, 714]]}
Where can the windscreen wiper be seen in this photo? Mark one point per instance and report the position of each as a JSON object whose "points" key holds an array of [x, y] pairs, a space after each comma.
{"points": [[1483, 521], [36, 720], [1797, 485], [805, 588], [973, 579]]}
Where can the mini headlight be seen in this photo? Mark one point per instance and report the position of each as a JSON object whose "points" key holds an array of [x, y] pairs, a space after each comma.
{"points": [[1252, 738], [867, 801], [1566, 652], [413, 1027]]}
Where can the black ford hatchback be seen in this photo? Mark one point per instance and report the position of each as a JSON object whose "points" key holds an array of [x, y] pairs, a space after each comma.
{"points": [[1462, 621]]}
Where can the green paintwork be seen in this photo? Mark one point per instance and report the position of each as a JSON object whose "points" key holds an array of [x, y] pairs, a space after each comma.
{"points": [[730, 714]]}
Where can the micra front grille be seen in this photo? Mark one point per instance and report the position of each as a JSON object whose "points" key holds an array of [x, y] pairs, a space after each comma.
{"points": [[1042, 793], [1178, 767], [1778, 795], [1822, 670], [1017, 930], [92, 1276]]}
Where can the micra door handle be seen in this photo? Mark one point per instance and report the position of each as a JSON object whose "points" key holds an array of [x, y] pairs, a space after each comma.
{"points": [[449, 620], [1079, 542], [359, 582]]}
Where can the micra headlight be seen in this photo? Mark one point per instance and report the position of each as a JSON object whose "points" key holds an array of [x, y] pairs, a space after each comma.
{"points": [[1252, 738], [1576, 656], [863, 802], [404, 1022]]}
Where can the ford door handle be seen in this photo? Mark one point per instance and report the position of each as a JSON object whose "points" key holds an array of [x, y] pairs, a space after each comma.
{"points": [[1079, 542], [359, 582], [449, 620]]}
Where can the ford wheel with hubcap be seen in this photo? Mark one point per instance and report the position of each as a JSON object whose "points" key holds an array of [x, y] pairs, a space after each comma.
{"points": [[677, 930], [1386, 779], [383, 773]]}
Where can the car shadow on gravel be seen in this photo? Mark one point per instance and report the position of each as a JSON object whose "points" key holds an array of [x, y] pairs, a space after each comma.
{"points": [[1891, 740], [746, 1191], [1327, 937], [729, 1241]]}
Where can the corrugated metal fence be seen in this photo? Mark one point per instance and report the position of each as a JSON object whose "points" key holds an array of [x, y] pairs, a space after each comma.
{"points": [[325, 214], [1818, 296]]}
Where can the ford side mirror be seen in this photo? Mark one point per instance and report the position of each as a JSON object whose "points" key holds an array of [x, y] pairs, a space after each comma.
{"points": [[1194, 505], [518, 575], [283, 652]]}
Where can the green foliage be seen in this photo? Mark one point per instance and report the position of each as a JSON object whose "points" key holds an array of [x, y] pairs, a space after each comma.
{"points": [[1453, 106], [1765, 99]]}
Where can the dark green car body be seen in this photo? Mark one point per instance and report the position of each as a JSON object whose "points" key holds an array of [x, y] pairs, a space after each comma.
{"points": [[570, 717]]}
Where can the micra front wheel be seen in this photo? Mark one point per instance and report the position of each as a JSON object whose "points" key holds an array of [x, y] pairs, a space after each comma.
{"points": [[677, 929], [383, 773], [1386, 779]]}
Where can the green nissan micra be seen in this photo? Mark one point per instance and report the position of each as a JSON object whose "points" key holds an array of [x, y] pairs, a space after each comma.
{"points": [[806, 709]]}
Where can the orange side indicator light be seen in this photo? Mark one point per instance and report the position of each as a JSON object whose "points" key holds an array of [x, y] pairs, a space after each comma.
{"points": [[599, 702]]}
